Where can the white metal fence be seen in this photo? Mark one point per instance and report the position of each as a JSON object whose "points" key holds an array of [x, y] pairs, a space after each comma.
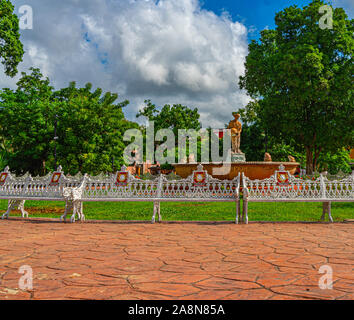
{"points": [[198, 187]]}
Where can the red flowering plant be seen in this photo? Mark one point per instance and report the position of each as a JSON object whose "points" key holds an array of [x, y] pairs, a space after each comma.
{"points": [[308, 177]]}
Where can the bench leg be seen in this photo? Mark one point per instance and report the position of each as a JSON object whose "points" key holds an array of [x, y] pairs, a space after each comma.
{"points": [[237, 210], [21, 207], [156, 211], [245, 212], [78, 207], [154, 214], [329, 212], [159, 211], [81, 209], [326, 210], [15, 204], [72, 219], [77, 210], [68, 208], [10, 207]]}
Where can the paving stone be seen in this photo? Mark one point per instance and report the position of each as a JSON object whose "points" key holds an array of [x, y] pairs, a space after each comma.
{"points": [[210, 295], [218, 283], [252, 294], [168, 289], [170, 261], [311, 292]]}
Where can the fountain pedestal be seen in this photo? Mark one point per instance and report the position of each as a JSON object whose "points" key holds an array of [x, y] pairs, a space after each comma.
{"points": [[228, 171], [237, 163], [238, 157]]}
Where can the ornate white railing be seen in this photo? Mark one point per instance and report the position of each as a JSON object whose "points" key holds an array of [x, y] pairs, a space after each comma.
{"points": [[122, 186], [198, 187], [340, 190], [50, 187], [283, 186], [117, 187], [73, 199]]}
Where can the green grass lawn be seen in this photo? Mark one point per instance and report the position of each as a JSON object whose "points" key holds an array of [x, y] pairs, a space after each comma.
{"points": [[185, 211]]}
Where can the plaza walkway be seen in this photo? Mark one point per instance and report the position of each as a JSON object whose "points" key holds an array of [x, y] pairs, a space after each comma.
{"points": [[175, 261]]}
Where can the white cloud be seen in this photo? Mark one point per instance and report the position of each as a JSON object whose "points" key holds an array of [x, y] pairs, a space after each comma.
{"points": [[169, 51]]}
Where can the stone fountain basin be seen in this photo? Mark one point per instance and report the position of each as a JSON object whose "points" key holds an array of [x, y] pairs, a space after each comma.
{"points": [[228, 171]]}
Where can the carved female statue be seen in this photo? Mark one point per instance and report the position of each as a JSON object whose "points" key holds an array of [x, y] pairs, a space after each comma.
{"points": [[236, 129]]}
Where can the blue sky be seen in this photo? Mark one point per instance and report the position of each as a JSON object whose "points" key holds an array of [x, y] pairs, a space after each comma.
{"points": [[252, 13], [257, 13]]}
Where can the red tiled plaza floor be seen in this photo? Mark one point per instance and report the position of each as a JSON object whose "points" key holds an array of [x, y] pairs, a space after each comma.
{"points": [[175, 261]]}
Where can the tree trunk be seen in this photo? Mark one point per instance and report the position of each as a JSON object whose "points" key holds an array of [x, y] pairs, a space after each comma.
{"points": [[315, 160], [309, 160], [43, 168]]}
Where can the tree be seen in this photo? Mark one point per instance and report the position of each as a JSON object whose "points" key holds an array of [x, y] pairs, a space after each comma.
{"points": [[256, 139], [253, 136], [25, 123], [175, 118], [89, 125], [334, 163], [11, 49], [301, 77], [90, 129]]}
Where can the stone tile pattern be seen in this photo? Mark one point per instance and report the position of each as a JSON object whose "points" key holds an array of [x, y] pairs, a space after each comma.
{"points": [[172, 261]]}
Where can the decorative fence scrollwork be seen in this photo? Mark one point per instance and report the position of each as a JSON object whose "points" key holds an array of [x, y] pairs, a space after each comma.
{"points": [[198, 187], [121, 186], [284, 187]]}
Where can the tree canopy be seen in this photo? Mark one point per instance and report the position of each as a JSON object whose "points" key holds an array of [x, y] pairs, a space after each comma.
{"points": [[89, 126], [171, 117], [175, 117], [300, 77], [11, 49]]}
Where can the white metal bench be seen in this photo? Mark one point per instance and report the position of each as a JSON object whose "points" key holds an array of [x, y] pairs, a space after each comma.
{"points": [[199, 187], [338, 191], [284, 187], [49, 188], [119, 187]]}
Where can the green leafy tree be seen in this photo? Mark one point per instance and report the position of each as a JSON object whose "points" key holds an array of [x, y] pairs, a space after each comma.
{"points": [[174, 117], [89, 125], [11, 49], [253, 137], [253, 142], [90, 129], [334, 163], [25, 123], [256, 139], [301, 78]]}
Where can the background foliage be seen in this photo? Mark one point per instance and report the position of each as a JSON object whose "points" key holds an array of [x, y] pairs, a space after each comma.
{"points": [[300, 78], [11, 49], [89, 126]]}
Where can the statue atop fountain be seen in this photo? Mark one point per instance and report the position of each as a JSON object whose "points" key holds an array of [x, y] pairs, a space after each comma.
{"points": [[236, 129]]}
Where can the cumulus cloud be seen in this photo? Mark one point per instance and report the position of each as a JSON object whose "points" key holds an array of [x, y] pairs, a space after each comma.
{"points": [[169, 51]]}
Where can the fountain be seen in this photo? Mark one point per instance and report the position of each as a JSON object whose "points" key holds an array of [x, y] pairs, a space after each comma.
{"points": [[238, 164]]}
